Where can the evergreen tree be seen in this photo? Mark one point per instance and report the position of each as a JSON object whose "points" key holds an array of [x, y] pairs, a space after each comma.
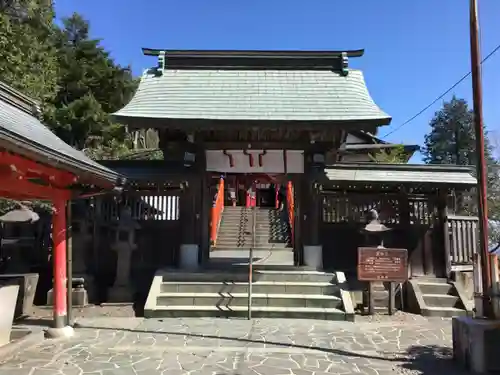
{"points": [[28, 60], [452, 140], [396, 155], [452, 137], [91, 86]]}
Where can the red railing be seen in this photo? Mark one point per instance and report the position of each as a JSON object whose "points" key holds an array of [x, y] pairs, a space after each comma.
{"points": [[217, 209], [290, 207]]}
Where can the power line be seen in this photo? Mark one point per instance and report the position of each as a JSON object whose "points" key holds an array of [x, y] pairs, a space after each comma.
{"points": [[439, 97]]}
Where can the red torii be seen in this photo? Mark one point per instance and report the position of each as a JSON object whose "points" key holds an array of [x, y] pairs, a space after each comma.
{"points": [[36, 164]]}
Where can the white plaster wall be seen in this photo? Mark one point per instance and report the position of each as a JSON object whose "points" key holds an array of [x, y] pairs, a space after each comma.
{"points": [[272, 161], [353, 139], [356, 158]]}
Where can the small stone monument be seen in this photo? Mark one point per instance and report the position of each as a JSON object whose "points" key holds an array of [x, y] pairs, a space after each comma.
{"points": [[124, 246]]}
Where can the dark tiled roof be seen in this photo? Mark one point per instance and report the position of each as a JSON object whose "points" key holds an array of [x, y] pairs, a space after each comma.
{"points": [[23, 133]]}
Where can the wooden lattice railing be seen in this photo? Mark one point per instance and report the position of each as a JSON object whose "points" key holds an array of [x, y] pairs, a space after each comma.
{"points": [[217, 210]]}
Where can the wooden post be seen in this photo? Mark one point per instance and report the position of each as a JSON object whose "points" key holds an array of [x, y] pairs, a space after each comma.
{"points": [[276, 196], [69, 262], [371, 298], [314, 215], [59, 227], [481, 170], [443, 218], [298, 241], [392, 298]]}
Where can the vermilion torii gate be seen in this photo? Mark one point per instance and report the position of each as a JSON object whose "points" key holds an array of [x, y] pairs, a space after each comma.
{"points": [[36, 164]]}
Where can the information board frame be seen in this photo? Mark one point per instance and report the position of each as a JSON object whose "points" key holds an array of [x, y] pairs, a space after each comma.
{"points": [[382, 264]]}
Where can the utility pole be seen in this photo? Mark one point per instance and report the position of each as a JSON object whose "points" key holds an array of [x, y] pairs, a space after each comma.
{"points": [[481, 162]]}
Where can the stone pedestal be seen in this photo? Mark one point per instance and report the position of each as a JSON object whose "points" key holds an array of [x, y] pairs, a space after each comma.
{"points": [[188, 256], [8, 296], [81, 245], [313, 256], [121, 289], [476, 343]]}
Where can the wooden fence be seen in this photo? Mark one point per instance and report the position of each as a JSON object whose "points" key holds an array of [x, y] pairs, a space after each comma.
{"points": [[462, 235]]}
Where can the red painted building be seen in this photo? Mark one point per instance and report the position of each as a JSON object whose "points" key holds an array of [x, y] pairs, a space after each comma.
{"points": [[36, 164]]}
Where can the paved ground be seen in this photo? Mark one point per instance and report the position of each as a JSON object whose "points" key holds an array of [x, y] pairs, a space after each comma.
{"points": [[121, 346]]}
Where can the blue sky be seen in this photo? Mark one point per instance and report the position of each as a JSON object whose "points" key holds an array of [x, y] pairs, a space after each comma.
{"points": [[414, 50]]}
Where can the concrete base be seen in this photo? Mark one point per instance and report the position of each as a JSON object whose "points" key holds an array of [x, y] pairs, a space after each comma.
{"points": [[189, 256], [58, 333], [475, 344], [79, 297], [8, 296], [313, 256]]}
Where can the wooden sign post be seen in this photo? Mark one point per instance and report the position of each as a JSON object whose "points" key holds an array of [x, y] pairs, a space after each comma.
{"points": [[382, 265]]}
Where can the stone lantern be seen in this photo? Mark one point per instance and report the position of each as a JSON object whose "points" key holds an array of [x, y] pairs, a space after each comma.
{"points": [[124, 245], [375, 231]]}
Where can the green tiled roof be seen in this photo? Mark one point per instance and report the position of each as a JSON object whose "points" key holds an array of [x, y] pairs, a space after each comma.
{"points": [[253, 94], [401, 173]]}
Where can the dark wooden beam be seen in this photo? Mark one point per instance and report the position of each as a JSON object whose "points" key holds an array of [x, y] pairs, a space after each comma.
{"points": [[205, 124], [256, 145]]}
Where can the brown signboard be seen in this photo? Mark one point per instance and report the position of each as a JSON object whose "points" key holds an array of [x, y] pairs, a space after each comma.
{"points": [[376, 264]]}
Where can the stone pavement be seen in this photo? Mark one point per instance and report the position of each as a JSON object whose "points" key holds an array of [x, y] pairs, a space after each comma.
{"points": [[122, 346]]}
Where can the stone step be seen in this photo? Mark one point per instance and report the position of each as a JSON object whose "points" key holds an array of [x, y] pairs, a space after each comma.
{"points": [[442, 300], [247, 246], [429, 287], [241, 299], [248, 228], [242, 311], [445, 312], [260, 287], [236, 227], [223, 234], [259, 213], [258, 240], [240, 274]]}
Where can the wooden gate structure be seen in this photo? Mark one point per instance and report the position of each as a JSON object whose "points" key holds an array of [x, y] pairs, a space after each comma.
{"points": [[414, 201]]}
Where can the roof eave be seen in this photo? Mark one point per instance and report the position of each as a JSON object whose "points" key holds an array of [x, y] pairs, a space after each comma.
{"points": [[147, 121], [357, 147], [417, 167], [284, 54], [87, 173]]}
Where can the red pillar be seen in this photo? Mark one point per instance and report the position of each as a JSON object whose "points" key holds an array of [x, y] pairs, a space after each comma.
{"points": [[59, 262], [276, 196]]}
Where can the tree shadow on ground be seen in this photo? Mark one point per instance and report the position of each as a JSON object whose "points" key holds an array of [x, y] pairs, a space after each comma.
{"points": [[430, 360], [418, 359]]}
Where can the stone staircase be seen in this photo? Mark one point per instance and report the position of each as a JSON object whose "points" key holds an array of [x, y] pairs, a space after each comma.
{"points": [[235, 230], [437, 297], [278, 292]]}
